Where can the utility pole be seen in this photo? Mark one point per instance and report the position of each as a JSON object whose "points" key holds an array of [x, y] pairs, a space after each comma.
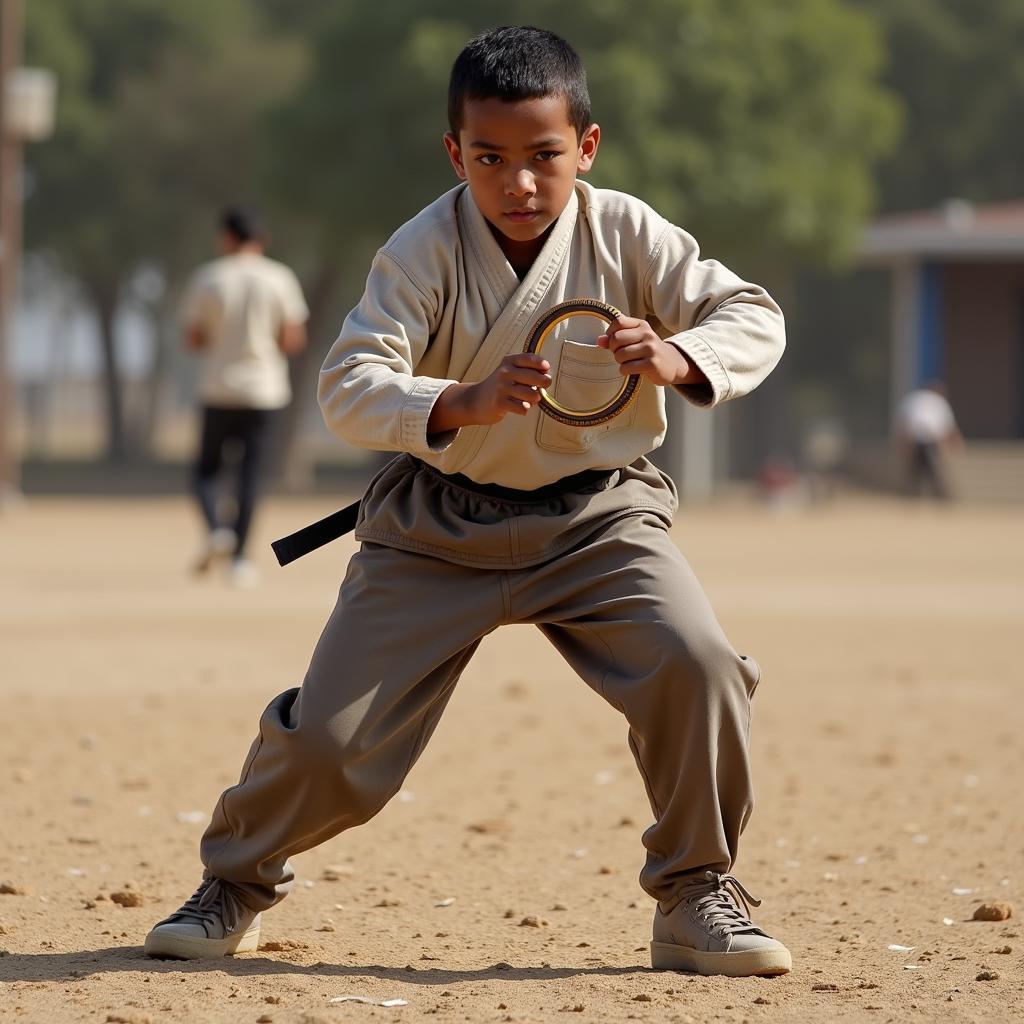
{"points": [[27, 103], [10, 236]]}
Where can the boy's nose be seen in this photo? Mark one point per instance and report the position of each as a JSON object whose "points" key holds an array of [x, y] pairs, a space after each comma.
{"points": [[521, 183]]}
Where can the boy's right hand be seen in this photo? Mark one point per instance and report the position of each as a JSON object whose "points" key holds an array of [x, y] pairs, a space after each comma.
{"points": [[513, 387]]}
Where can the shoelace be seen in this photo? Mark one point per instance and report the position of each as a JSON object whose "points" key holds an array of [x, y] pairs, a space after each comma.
{"points": [[717, 902], [211, 903]]}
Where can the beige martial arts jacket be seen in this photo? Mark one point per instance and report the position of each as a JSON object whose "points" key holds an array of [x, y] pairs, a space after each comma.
{"points": [[442, 304]]}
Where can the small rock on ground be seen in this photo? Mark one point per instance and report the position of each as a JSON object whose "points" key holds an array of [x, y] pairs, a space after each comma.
{"points": [[127, 898], [993, 912]]}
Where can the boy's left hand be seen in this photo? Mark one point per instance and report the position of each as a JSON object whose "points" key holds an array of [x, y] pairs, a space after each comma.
{"points": [[637, 349]]}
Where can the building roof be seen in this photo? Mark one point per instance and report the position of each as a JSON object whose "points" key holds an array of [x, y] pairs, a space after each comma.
{"points": [[958, 229]]}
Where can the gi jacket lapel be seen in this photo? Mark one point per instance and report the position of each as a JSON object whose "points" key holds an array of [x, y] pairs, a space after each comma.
{"points": [[521, 300]]}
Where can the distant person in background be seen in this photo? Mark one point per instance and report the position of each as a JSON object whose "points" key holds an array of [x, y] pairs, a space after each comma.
{"points": [[927, 431], [823, 451], [244, 314], [778, 484]]}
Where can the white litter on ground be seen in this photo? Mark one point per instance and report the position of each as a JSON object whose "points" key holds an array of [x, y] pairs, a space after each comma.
{"points": [[368, 1001]]}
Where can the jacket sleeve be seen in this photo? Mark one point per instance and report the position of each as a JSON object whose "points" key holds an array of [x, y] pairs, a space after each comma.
{"points": [[368, 391], [732, 331]]}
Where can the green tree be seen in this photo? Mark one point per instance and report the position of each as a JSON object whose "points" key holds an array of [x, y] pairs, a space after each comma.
{"points": [[158, 123], [958, 68]]}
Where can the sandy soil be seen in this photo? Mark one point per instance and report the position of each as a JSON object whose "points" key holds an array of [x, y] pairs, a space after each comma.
{"points": [[888, 748]]}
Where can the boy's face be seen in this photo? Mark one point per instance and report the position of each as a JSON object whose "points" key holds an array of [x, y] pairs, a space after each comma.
{"points": [[521, 161]]}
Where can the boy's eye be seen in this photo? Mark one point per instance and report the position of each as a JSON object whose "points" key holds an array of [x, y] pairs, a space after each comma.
{"points": [[548, 154], [489, 159]]}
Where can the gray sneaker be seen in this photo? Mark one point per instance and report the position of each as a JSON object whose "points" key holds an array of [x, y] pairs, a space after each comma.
{"points": [[213, 922], [708, 932]]}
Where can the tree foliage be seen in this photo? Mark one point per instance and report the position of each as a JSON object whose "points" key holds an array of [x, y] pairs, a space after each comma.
{"points": [[958, 68], [157, 127], [157, 124]]}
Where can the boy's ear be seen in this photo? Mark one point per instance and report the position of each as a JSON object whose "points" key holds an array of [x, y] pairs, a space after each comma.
{"points": [[588, 148], [455, 154]]}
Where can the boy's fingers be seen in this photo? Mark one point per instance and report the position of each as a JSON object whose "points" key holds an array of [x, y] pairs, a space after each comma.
{"points": [[626, 336], [635, 366], [530, 361], [631, 353], [624, 323], [520, 393], [532, 378]]}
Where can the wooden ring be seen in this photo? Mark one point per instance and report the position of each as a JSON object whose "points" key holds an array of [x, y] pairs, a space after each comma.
{"points": [[539, 334]]}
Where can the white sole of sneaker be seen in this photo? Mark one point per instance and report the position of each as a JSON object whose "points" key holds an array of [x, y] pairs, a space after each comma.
{"points": [[185, 947], [666, 956]]}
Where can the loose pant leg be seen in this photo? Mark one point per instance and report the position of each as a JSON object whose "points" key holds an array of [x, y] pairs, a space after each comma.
{"points": [[213, 434], [627, 613], [935, 477], [252, 433], [330, 754], [919, 470]]}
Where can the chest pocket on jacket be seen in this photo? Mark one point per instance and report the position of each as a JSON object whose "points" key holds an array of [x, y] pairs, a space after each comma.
{"points": [[586, 377]]}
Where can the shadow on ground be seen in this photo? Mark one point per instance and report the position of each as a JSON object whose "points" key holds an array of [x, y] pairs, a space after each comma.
{"points": [[127, 959]]}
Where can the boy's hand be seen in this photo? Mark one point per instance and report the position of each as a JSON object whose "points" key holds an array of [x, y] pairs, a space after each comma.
{"points": [[513, 387], [637, 349]]}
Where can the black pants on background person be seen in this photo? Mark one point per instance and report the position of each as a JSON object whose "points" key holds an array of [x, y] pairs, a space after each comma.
{"points": [[928, 472], [223, 429]]}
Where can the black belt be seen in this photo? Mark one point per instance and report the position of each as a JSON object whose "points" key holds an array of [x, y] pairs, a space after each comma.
{"points": [[337, 524], [317, 534]]}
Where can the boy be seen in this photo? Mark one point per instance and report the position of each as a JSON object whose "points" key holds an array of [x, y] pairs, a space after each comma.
{"points": [[496, 514]]}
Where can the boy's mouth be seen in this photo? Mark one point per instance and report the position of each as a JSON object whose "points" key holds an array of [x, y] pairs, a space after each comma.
{"points": [[522, 215]]}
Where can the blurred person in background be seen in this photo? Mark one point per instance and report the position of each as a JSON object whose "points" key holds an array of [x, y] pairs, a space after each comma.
{"points": [[823, 450], [244, 315], [926, 431]]}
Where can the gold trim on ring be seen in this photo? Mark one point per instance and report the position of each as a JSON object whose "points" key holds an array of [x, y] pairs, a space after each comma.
{"points": [[550, 405]]}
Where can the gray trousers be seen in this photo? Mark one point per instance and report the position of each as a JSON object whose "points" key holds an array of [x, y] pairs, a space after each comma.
{"points": [[624, 610]]}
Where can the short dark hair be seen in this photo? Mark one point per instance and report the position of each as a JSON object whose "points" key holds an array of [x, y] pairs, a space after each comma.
{"points": [[244, 223], [521, 63]]}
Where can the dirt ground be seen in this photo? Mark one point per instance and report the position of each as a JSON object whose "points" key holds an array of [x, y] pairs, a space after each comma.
{"points": [[888, 751]]}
